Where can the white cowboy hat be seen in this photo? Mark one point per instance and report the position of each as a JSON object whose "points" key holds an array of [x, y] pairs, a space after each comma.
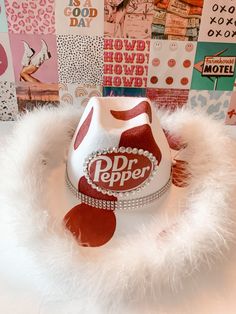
{"points": [[148, 247], [119, 163]]}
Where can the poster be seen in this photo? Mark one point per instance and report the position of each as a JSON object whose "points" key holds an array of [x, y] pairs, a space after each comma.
{"points": [[80, 59], [218, 22], [80, 17], [34, 58], [31, 95], [35, 67], [177, 19], [126, 62], [169, 99], [78, 95], [128, 18], [214, 66], [171, 64], [31, 17], [214, 103]]}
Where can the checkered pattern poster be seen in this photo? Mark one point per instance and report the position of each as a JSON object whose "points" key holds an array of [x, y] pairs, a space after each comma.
{"points": [[175, 52]]}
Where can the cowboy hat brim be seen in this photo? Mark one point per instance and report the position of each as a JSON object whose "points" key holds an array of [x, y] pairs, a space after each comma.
{"points": [[31, 229]]}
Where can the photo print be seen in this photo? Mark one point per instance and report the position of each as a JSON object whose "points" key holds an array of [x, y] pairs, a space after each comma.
{"points": [[128, 18], [177, 19], [214, 66], [35, 66], [34, 58], [31, 95]]}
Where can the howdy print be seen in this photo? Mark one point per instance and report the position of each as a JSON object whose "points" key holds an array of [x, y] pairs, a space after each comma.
{"points": [[126, 62]]}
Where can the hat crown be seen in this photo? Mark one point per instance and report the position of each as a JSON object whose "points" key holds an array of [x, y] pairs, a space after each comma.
{"points": [[119, 148]]}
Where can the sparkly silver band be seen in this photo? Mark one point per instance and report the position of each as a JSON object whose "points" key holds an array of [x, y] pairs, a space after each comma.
{"points": [[121, 204]]}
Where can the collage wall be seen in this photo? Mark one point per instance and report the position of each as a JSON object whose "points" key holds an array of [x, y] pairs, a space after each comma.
{"points": [[176, 52]]}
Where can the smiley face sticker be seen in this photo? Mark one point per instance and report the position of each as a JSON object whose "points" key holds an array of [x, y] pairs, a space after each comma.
{"points": [[171, 64], [173, 46], [189, 47]]}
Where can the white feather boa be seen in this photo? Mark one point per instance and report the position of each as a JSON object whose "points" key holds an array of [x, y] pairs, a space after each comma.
{"points": [[35, 246]]}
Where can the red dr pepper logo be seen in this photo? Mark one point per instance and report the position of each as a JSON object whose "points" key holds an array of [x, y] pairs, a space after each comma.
{"points": [[116, 171]]}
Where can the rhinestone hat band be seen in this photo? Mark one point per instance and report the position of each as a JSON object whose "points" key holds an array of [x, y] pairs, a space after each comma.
{"points": [[121, 204]]}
